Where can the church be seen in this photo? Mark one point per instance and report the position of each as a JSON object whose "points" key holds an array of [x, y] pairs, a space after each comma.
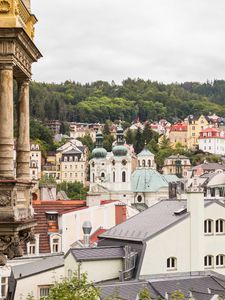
{"points": [[122, 175]]}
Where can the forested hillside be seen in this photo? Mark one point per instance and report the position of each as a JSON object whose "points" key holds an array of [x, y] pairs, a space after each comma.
{"points": [[100, 101]]}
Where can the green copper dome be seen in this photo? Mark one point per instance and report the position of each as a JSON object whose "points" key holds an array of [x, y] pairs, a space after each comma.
{"points": [[119, 150], [99, 153]]}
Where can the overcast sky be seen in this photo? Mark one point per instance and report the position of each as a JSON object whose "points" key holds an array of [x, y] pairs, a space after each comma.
{"points": [[163, 40]]}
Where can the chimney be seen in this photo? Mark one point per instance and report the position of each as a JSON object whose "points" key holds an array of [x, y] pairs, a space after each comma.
{"points": [[195, 206], [121, 213], [87, 227]]}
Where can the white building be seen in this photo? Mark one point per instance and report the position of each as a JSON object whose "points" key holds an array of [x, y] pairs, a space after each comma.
{"points": [[35, 161], [212, 140], [114, 176]]}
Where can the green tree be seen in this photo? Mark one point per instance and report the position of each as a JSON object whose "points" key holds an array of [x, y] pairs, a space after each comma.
{"points": [[87, 141], [76, 288], [74, 190], [130, 136], [108, 139], [144, 294], [177, 295], [65, 128], [139, 142]]}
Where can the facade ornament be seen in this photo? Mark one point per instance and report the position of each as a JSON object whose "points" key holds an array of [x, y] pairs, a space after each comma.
{"points": [[5, 198], [4, 7]]}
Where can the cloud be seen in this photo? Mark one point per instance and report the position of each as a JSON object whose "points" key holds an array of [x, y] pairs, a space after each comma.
{"points": [[164, 40]]}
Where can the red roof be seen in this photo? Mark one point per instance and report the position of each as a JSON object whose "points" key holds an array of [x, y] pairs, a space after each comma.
{"points": [[43, 227], [179, 127]]}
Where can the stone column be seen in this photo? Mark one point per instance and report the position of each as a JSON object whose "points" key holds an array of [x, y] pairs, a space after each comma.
{"points": [[23, 139], [6, 122]]}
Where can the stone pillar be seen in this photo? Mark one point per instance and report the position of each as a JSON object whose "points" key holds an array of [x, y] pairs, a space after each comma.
{"points": [[23, 139], [6, 120]]}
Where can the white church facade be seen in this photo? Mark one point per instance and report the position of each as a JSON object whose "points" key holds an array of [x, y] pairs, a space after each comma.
{"points": [[119, 175]]}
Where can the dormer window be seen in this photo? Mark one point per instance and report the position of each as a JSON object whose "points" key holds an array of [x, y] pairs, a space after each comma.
{"points": [[52, 215], [55, 243]]}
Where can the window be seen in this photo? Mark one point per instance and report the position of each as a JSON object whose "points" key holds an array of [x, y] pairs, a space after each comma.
{"points": [[71, 175], [44, 291], [123, 176], [220, 260], [33, 246], [220, 226], [171, 263], [55, 242], [70, 273], [208, 261], [139, 198], [208, 226], [143, 163], [114, 176], [4, 287], [149, 163]]}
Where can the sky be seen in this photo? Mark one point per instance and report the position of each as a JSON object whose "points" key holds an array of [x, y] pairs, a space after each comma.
{"points": [[161, 40]]}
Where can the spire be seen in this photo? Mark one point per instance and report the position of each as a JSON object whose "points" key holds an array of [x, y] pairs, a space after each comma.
{"points": [[99, 139]]}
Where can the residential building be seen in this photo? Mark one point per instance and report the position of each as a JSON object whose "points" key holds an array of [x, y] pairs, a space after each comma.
{"points": [[35, 161], [178, 134], [195, 124], [207, 168], [177, 165], [54, 126], [212, 140]]}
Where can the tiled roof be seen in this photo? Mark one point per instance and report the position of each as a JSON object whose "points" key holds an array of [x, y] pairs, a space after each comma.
{"points": [[40, 209], [149, 222], [210, 166], [98, 253], [179, 127]]}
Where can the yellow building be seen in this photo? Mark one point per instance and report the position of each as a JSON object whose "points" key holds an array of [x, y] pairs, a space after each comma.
{"points": [[194, 126]]}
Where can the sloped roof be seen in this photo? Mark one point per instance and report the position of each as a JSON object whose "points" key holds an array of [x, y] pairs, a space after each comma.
{"points": [[217, 180], [199, 285], [148, 223], [98, 253], [40, 208], [125, 290], [145, 152], [147, 180], [42, 265]]}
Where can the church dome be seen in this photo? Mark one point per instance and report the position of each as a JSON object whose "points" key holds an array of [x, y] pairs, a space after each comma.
{"points": [[119, 150], [147, 180], [99, 153]]}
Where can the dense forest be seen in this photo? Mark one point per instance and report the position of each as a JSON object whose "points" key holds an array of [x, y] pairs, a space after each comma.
{"points": [[100, 101]]}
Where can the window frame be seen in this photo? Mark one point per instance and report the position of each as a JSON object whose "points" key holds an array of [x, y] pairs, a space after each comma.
{"points": [[171, 263], [219, 258], [207, 259], [208, 227], [219, 226]]}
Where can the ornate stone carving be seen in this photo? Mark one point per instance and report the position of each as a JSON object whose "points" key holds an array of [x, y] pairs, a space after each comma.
{"points": [[4, 7], [3, 259], [5, 198]]}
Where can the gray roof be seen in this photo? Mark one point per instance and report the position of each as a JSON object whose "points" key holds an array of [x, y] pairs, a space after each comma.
{"points": [[125, 290], [177, 157], [199, 285], [210, 166], [39, 266], [99, 253], [148, 223]]}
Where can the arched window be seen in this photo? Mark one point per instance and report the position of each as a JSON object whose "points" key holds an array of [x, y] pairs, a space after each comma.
{"points": [[171, 263], [93, 177], [139, 198], [208, 261], [114, 176], [123, 176], [220, 226], [55, 243], [143, 163], [220, 260], [102, 175], [139, 163], [149, 163], [208, 226]]}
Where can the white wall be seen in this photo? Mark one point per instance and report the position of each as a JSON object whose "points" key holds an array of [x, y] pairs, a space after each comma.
{"points": [[174, 242], [96, 270], [71, 223], [30, 284]]}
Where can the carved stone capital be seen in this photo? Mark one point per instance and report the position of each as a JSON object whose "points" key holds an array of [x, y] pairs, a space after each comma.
{"points": [[6, 66]]}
